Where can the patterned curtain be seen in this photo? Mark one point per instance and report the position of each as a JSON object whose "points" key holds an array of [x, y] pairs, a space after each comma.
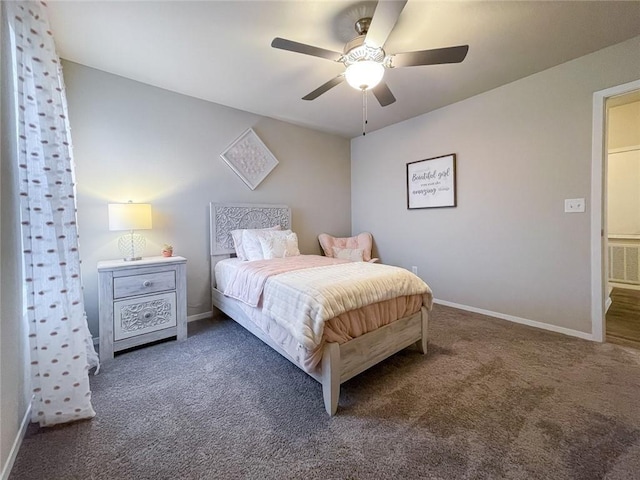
{"points": [[61, 348]]}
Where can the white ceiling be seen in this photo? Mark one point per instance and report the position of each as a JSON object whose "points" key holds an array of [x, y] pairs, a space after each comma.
{"points": [[220, 50]]}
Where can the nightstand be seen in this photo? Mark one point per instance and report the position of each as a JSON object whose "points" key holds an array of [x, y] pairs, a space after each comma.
{"points": [[141, 301]]}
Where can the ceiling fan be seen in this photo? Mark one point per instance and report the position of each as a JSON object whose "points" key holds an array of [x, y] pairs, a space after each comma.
{"points": [[364, 56]]}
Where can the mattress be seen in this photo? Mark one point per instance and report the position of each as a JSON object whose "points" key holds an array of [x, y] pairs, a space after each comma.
{"points": [[340, 329]]}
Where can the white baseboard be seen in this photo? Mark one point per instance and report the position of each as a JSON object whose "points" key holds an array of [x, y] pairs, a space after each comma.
{"points": [[524, 321], [627, 286], [17, 443], [607, 304]]}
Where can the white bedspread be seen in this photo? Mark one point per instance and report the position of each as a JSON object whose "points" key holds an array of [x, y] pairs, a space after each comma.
{"points": [[302, 300], [246, 280]]}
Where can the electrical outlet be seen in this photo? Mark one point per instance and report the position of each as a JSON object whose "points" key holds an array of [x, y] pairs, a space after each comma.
{"points": [[414, 269], [574, 205]]}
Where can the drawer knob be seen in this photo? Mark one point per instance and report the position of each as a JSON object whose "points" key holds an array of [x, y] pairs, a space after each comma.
{"points": [[146, 283], [147, 315]]}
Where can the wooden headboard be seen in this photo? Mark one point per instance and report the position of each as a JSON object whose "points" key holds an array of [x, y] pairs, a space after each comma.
{"points": [[226, 217]]}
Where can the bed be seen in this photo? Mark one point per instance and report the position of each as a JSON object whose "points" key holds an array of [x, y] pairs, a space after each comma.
{"points": [[262, 296]]}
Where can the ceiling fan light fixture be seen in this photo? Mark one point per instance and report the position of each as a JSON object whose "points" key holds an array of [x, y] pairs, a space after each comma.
{"points": [[365, 74]]}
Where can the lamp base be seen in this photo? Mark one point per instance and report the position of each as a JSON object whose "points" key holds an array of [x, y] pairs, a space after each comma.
{"points": [[131, 245]]}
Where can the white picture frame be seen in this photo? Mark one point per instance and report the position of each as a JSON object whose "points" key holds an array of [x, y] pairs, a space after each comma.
{"points": [[249, 158]]}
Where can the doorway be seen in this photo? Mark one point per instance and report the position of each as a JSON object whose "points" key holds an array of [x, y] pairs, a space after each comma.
{"points": [[622, 200], [601, 257]]}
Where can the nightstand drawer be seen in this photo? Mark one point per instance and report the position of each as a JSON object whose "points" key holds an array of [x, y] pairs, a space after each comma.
{"points": [[138, 316], [143, 284]]}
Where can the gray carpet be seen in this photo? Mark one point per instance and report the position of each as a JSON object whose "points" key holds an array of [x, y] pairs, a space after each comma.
{"points": [[491, 400]]}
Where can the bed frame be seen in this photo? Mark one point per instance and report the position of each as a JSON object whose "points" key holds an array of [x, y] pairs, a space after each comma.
{"points": [[340, 362]]}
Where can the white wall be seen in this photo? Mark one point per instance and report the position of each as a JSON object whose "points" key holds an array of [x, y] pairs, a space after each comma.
{"points": [[14, 398], [623, 193], [623, 174], [522, 149], [141, 143]]}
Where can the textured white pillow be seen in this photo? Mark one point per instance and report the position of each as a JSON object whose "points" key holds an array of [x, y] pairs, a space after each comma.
{"points": [[279, 244], [251, 242], [352, 254], [238, 240]]}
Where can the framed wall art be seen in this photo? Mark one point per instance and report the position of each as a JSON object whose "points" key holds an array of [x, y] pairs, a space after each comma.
{"points": [[249, 158], [431, 183]]}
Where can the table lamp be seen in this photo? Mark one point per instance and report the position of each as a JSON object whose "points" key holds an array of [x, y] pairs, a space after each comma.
{"points": [[130, 216]]}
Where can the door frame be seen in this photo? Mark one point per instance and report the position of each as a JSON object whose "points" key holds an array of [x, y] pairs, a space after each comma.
{"points": [[599, 258]]}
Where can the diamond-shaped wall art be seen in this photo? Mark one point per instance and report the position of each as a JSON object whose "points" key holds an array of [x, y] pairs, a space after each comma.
{"points": [[249, 158]]}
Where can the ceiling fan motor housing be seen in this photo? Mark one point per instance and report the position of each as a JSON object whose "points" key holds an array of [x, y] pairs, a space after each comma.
{"points": [[356, 50], [362, 25]]}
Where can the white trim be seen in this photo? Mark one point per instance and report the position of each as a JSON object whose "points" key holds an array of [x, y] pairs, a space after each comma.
{"points": [[598, 229], [613, 236], [627, 286], [597, 209], [524, 321], [607, 304], [17, 443], [199, 316]]}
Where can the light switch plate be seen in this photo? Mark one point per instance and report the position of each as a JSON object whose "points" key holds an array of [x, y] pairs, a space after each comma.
{"points": [[574, 205]]}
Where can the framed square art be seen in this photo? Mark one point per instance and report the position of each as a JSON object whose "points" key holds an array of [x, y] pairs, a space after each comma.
{"points": [[431, 183]]}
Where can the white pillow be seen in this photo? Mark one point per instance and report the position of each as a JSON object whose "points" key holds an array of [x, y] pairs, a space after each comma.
{"points": [[251, 243], [279, 244], [352, 254], [238, 240]]}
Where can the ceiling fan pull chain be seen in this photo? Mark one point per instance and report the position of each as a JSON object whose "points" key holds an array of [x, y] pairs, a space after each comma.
{"points": [[364, 111]]}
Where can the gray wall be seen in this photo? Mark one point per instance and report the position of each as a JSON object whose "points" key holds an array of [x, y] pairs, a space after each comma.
{"points": [[141, 143], [14, 398], [521, 150]]}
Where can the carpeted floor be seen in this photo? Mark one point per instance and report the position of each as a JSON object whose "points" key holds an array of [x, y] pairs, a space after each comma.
{"points": [[491, 400]]}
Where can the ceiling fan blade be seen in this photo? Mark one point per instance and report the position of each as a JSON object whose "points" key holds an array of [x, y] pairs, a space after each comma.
{"points": [[384, 19], [324, 87], [383, 94], [284, 44], [435, 56]]}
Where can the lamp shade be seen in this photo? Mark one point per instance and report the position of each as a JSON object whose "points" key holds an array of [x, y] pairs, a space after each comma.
{"points": [[365, 74], [129, 216]]}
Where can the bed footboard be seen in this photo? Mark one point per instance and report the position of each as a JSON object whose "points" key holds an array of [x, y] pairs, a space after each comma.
{"points": [[342, 362]]}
